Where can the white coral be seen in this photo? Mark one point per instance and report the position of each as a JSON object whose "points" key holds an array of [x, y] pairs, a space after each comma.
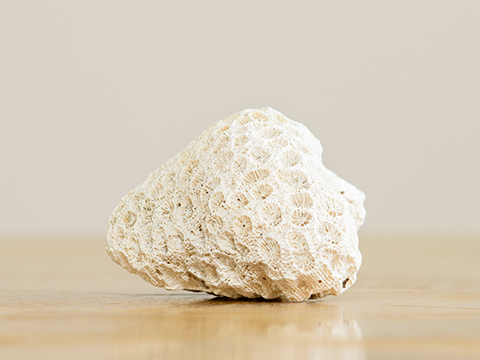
{"points": [[247, 209]]}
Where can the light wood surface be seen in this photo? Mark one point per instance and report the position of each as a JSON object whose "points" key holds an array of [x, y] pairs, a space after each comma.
{"points": [[415, 298]]}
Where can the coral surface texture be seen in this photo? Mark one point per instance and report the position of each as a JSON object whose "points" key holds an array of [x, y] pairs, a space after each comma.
{"points": [[246, 210]]}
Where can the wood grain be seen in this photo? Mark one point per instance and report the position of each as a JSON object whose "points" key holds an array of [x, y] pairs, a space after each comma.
{"points": [[64, 298]]}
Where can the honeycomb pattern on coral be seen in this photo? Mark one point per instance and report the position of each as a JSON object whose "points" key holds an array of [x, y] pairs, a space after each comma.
{"points": [[246, 210]]}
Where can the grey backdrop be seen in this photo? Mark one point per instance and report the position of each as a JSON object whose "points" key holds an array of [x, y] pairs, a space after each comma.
{"points": [[94, 95]]}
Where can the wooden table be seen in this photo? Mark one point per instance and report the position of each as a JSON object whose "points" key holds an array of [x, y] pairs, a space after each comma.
{"points": [[415, 298]]}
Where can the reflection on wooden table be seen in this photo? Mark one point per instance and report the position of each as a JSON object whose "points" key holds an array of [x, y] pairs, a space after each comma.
{"points": [[64, 298]]}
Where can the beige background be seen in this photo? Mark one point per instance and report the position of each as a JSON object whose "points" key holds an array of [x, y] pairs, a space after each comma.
{"points": [[94, 95]]}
